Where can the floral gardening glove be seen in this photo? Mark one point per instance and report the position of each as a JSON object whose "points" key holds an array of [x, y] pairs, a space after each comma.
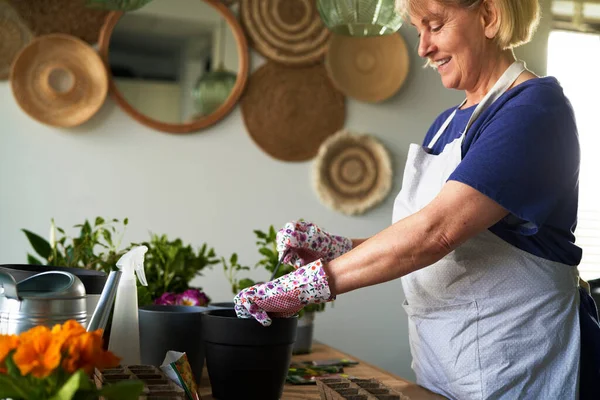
{"points": [[284, 296], [307, 242]]}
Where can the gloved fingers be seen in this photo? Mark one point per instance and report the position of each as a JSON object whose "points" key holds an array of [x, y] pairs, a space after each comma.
{"points": [[245, 308], [293, 235], [241, 311], [259, 314]]}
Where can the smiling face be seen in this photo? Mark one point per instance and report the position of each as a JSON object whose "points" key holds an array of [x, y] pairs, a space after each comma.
{"points": [[455, 41]]}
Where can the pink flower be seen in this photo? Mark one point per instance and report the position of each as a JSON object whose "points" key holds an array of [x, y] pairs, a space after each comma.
{"points": [[166, 299], [192, 297]]}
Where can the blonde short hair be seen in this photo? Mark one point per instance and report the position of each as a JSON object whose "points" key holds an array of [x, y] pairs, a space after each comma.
{"points": [[519, 19]]}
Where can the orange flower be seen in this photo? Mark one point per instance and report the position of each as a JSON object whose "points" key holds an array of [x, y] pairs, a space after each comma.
{"points": [[7, 344], [38, 353], [85, 351], [67, 332]]}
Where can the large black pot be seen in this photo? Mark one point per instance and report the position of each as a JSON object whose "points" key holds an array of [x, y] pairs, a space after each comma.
{"points": [[246, 360], [224, 305]]}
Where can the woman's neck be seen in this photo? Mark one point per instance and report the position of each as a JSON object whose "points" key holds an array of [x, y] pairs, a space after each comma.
{"points": [[490, 72]]}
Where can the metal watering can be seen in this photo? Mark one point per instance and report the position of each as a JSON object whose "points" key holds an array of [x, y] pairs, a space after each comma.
{"points": [[51, 298]]}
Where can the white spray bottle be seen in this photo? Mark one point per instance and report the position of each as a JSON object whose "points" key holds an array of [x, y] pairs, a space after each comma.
{"points": [[124, 339]]}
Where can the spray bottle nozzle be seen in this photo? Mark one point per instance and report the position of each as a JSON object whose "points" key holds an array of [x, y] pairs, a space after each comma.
{"points": [[133, 262]]}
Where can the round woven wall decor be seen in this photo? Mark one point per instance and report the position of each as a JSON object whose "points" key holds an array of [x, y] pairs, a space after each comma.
{"points": [[14, 35], [289, 112], [289, 32], [59, 80], [370, 69], [65, 16], [352, 173]]}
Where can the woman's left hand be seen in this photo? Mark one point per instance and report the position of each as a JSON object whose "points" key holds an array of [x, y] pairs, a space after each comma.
{"points": [[284, 296]]}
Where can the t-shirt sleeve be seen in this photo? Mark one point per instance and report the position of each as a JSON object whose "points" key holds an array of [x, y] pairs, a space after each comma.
{"points": [[526, 158]]}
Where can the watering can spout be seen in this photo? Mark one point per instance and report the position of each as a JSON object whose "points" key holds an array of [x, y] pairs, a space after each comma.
{"points": [[101, 313]]}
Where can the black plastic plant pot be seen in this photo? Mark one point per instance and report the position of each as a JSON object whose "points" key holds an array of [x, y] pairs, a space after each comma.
{"points": [[244, 359], [178, 328], [226, 305]]}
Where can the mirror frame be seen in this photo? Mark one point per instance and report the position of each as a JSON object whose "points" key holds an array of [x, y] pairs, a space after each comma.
{"points": [[190, 127]]}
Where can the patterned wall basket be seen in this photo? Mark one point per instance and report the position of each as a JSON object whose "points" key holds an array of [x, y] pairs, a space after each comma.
{"points": [[14, 35], [289, 32], [352, 173], [59, 80], [289, 112], [369, 69], [71, 17]]}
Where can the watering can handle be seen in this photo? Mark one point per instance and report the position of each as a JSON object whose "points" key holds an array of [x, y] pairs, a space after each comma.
{"points": [[7, 281], [99, 318]]}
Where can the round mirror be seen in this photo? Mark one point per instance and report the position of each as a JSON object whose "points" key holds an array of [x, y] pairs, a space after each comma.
{"points": [[176, 65]]}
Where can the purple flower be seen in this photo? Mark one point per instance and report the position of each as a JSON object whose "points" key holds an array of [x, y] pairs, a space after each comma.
{"points": [[192, 297], [166, 299]]}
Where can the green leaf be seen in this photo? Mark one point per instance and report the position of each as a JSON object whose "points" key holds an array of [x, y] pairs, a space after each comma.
{"points": [[124, 390], [125, 221], [77, 381], [234, 259], [245, 283], [61, 230], [144, 295], [11, 367], [32, 260], [266, 252], [39, 244], [107, 236], [99, 221], [260, 234], [11, 387]]}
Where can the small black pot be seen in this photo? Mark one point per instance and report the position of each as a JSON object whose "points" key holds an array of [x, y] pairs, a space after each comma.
{"points": [[246, 360], [179, 328]]}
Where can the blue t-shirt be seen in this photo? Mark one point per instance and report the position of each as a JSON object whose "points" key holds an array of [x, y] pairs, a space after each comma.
{"points": [[523, 152]]}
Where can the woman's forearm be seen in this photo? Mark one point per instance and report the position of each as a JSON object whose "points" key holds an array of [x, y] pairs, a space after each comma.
{"points": [[456, 214], [396, 251], [358, 242]]}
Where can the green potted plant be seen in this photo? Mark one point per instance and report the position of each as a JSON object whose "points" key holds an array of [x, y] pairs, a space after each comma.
{"points": [[97, 247], [267, 247], [58, 363], [170, 266]]}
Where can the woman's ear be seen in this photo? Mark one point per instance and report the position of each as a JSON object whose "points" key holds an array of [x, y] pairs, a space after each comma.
{"points": [[490, 18]]}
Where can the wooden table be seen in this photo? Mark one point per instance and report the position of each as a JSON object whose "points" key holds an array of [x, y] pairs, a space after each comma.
{"points": [[362, 370]]}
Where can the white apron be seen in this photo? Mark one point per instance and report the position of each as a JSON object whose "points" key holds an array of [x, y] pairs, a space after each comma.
{"points": [[488, 321]]}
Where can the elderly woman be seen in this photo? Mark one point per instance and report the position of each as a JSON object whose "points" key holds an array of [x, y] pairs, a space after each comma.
{"points": [[482, 234]]}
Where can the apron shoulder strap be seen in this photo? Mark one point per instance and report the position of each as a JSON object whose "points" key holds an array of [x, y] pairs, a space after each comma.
{"points": [[500, 87]]}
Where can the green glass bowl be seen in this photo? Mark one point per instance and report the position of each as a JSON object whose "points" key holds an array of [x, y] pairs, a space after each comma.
{"points": [[213, 89], [360, 17]]}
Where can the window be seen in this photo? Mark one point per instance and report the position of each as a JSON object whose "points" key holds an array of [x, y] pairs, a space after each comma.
{"points": [[574, 59]]}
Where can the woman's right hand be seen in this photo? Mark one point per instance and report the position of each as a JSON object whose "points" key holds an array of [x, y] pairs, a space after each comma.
{"points": [[304, 242]]}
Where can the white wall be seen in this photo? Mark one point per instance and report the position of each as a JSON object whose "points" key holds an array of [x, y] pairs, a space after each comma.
{"points": [[214, 186]]}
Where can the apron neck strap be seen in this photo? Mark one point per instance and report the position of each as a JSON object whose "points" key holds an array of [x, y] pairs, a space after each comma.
{"points": [[500, 87]]}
